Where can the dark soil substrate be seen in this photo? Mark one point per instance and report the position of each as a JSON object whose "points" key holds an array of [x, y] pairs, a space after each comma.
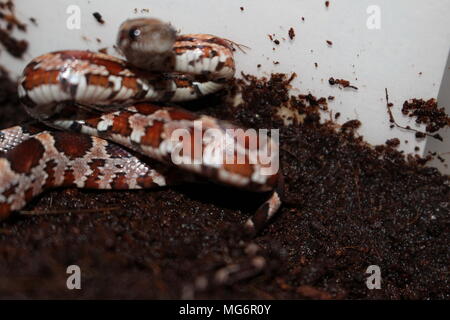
{"points": [[348, 206]]}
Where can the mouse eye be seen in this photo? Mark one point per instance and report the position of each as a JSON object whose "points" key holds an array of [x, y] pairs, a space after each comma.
{"points": [[134, 33]]}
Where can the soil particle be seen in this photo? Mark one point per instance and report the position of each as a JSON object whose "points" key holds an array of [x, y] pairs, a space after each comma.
{"points": [[343, 83], [291, 33], [7, 14], [427, 112], [98, 17], [394, 142], [419, 134], [351, 126]]}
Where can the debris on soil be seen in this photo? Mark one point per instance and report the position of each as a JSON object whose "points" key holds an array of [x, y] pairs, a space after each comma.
{"points": [[351, 126], [327, 4], [276, 41], [14, 46], [343, 83], [419, 134], [242, 8], [98, 17], [427, 112], [7, 14], [330, 43], [394, 142]]}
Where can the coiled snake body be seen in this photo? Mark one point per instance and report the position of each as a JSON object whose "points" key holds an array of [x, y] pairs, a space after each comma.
{"points": [[102, 103]]}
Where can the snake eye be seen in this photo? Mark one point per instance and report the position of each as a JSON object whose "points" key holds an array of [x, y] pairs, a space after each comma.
{"points": [[134, 33]]}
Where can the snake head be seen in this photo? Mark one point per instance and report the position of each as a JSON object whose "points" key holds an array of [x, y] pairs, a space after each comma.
{"points": [[146, 42]]}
